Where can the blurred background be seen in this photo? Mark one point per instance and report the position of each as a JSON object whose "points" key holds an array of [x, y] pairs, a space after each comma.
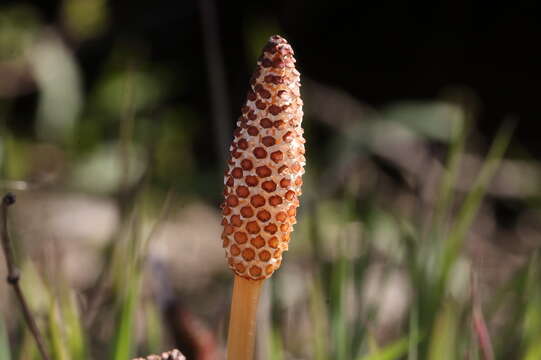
{"points": [[418, 233]]}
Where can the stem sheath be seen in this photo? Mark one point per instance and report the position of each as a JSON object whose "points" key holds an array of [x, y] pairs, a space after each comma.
{"points": [[240, 344]]}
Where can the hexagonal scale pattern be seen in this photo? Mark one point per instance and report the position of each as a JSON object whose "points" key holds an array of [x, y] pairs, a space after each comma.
{"points": [[264, 175]]}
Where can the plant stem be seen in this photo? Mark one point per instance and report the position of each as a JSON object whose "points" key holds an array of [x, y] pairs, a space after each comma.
{"points": [[240, 343], [14, 276]]}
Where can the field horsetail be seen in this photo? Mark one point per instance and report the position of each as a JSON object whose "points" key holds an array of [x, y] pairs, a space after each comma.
{"points": [[262, 185]]}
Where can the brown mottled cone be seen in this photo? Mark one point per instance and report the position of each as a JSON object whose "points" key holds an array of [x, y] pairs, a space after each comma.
{"points": [[171, 355], [263, 179]]}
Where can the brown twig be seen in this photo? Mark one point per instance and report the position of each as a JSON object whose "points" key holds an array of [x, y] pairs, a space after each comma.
{"points": [[14, 276]]}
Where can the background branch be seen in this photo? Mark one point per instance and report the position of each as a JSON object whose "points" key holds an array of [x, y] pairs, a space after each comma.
{"points": [[14, 275]]}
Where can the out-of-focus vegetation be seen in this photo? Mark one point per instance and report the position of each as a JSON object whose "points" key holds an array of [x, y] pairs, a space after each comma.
{"points": [[418, 237]]}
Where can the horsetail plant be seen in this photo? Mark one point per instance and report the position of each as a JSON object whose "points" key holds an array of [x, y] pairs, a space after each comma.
{"points": [[262, 185]]}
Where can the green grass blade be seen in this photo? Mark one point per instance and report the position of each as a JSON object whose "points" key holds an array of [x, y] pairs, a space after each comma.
{"points": [[28, 348], [5, 353], [471, 204], [394, 351], [533, 351], [532, 315], [372, 343], [128, 287], [123, 345], [277, 347], [414, 331], [76, 341], [319, 315], [451, 171], [338, 316], [443, 338], [56, 338], [154, 330]]}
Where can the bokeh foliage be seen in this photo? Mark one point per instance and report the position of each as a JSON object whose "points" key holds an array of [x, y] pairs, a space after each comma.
{"points": [[369, 242]]}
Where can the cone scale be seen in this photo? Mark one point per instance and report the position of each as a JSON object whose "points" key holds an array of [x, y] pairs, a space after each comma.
{"points": [[262, 185]]}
